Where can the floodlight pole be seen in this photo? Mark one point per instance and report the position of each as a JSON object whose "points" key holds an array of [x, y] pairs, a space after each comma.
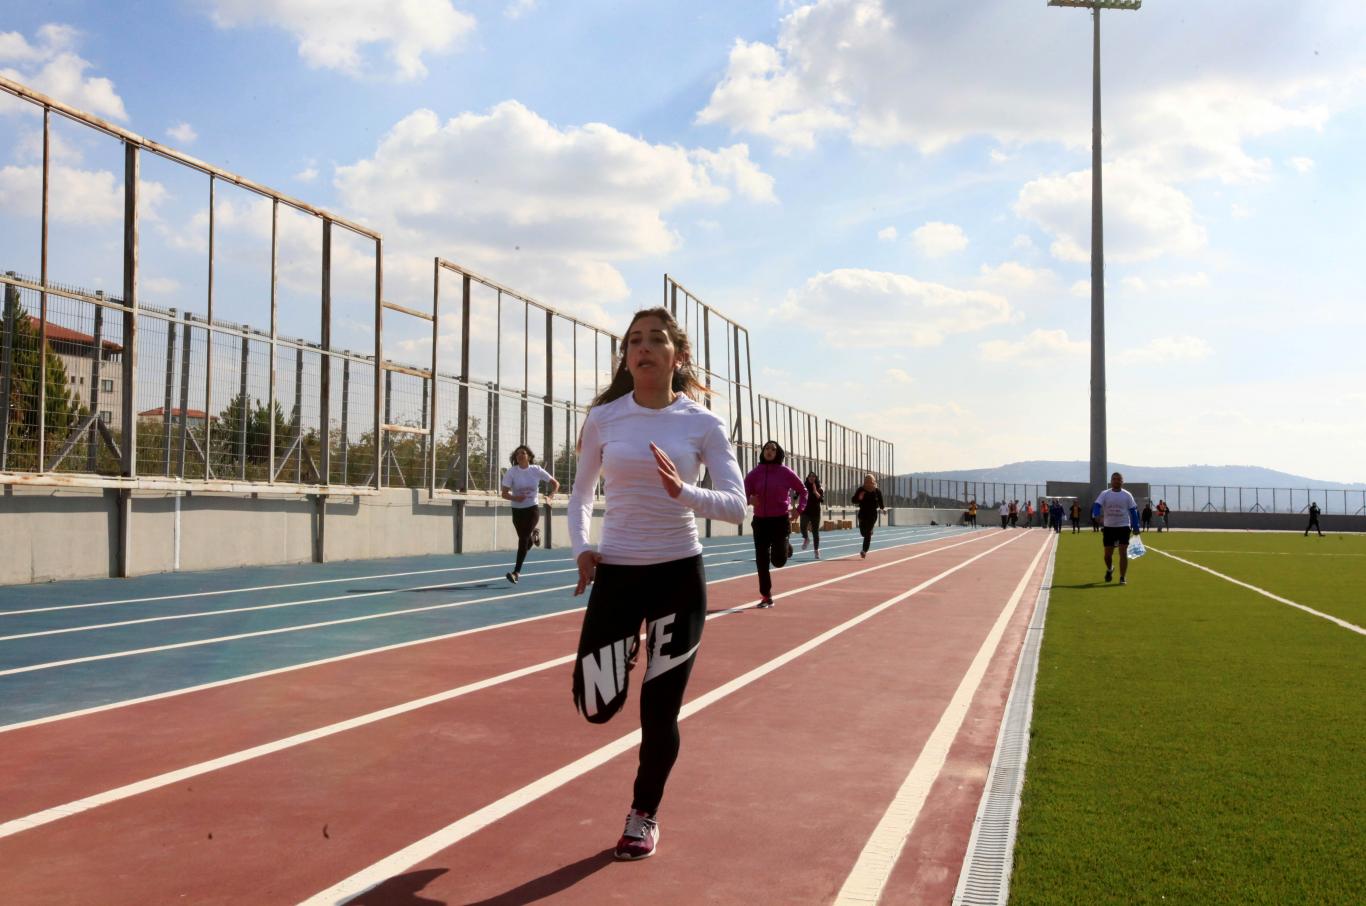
{"points": [[1099, 456]]}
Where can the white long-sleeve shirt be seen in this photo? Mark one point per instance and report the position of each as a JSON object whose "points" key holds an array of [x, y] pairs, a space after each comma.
{"points": [[643, 524]]}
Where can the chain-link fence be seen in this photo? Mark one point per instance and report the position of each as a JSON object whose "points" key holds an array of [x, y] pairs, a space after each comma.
{"points": [[1208, 499]]}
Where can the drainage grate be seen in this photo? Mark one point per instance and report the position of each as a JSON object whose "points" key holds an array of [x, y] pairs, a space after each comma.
{"points": [[985, 879]]}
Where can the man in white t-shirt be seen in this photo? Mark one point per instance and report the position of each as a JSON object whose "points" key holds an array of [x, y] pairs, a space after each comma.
{"points": [[1005, 513], [1118, 513]]}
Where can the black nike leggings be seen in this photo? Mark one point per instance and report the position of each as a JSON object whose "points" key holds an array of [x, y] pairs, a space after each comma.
{"points": [[671, 599], [812, 521], [524, 520], [866, 524]]}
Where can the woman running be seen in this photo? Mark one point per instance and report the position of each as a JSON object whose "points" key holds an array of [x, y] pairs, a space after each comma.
{"points": [[811, 516], [521, 485], [769, 487], [868, 499], [647, 437]]}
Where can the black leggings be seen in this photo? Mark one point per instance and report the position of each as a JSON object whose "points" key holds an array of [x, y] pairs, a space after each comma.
{"points": [[525, 520], [811, 521], [770, 546], [671, 598], [865, 528]]}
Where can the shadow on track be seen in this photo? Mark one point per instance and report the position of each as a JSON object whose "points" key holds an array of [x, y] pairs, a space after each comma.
{"points": [[547, 885], [401, 890]]}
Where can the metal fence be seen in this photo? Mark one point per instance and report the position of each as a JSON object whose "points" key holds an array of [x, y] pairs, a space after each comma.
{"points": [[1203, 498], [944, 493]]}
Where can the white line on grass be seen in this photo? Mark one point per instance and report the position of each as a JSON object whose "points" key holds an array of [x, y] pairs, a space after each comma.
{"points": [[47, 816], [1262, 591], [83, 712], [874, 865], [373, 875]]}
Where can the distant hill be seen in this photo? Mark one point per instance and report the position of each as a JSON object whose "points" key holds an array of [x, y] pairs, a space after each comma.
{"points": [[1041, 471]]}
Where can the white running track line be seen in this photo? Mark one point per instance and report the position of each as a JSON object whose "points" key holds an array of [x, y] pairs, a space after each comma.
{"points": [[1262, 591], [868, 878], [373, 875], [350, 596], [232, 591], [46, 816], [449, 605], [83, 712]]}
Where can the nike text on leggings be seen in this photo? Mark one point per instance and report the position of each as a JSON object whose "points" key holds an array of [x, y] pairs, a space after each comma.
{"points": [[671, 599]]}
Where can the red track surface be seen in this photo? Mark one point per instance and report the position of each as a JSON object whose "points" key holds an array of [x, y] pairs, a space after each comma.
{"points": [[775, 793]]}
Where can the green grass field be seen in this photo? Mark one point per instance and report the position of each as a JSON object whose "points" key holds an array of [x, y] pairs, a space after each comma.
{"points": [[1194, 741]]}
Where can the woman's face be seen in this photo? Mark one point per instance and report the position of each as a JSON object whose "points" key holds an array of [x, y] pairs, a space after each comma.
{"points": [[869, 483], [770, 452], [650, 354], [812, 478], [523, 459]]}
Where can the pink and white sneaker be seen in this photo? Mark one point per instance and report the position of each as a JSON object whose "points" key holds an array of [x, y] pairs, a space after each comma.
{"points": [[640, 839]]}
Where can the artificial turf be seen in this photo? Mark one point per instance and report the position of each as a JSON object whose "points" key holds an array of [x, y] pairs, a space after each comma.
{"points": [[1193, 741]]}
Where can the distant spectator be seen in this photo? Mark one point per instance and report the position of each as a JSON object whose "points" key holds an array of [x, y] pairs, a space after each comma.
{"points": [[1164, 513], [1014, 513], [1313, 520], [1055, 511], [1147, 515], [1076, 516], [1005, 514], [972, 513]]}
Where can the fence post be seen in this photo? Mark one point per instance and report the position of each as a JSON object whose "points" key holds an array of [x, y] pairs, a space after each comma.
{"points": [[462, 405], [168, 397], [6, 367], [325, 377], [208, 349], [245, 408], [130, 351], [186, 349], [346, 407], [93, 437], [42, 296], [549, 416]]}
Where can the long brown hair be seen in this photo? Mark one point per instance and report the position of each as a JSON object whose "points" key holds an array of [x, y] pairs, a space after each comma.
{"points": [[685, 379]]}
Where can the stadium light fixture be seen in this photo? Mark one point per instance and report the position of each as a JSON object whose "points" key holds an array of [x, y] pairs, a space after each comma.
{"points": [[1099, 456]]}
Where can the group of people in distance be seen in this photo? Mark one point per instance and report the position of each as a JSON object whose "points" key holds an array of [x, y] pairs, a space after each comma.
{"points": [[647, 437], [1050, 512]]}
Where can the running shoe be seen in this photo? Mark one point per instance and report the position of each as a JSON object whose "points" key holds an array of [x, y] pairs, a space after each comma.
{"points": [[1123, 581], [789, 550], [1109, 574], [818, 553], [806, 542], [766, 601], [512, 577], [640, 839], [863, 555], [535, 537]]}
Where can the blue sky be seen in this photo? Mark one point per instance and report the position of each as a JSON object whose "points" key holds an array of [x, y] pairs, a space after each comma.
{"points": [[893, 196]]}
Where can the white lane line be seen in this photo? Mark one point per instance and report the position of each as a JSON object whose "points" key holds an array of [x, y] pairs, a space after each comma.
{"points": [[253, 588], [1270, 553], [1263, 592], [400, 861], [350, 596], [83, 712], [871, 870], [46, 816]]}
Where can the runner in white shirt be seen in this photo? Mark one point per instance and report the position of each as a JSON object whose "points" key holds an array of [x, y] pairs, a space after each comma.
{"points": [[1118, 512], [648, 441], [522, 485], [1005, 514]]}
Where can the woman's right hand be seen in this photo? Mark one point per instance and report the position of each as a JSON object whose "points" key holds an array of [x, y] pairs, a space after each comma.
{"points": [[588, 569]]}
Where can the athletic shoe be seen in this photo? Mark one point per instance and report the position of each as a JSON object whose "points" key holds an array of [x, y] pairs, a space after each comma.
{"points": [[863, 555], [818, 553], [1123, 581], [789, 551], [805, 543], [766, 602], [640, 839], [1109, 574], [512, 577], [535, 537]]}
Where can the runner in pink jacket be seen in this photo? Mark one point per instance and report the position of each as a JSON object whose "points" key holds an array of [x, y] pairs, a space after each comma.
{"points": [[769, 487]]}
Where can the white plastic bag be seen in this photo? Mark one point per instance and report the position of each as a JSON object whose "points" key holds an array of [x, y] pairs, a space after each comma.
{"points": [[1136, 548]]}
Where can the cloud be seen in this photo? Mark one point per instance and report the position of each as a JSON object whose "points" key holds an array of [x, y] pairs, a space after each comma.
{"points": [[856, 308], [899, 376], [307, 174], [1163, 350], [516, 9], [939, 239], [183, 133], [550, 210], [1014, 276], [1197, 280], [1301, 164], [887, 234], [75, 196], [998, 156], [52, 67], [1081, 289], [1239, 212], [1022, 243], [1043, 348], [1144, 217], [333, 34]]}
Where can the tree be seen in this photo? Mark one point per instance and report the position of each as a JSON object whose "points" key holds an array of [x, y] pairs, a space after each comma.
{"points": [[227, 432], [62, 409]]}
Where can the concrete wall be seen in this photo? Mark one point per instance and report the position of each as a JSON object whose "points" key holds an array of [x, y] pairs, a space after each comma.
{"points": [[48, 534]]}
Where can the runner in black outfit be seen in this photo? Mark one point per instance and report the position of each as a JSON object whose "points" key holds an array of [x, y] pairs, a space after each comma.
{"points": [[811, 516], [1313, 520], [868, 499]]}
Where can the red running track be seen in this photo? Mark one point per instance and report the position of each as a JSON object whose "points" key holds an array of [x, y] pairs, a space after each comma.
{"points": [[775, 794]]}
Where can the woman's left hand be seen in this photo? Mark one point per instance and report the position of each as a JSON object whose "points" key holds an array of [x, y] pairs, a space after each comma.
{"points": [[668, 472]]}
